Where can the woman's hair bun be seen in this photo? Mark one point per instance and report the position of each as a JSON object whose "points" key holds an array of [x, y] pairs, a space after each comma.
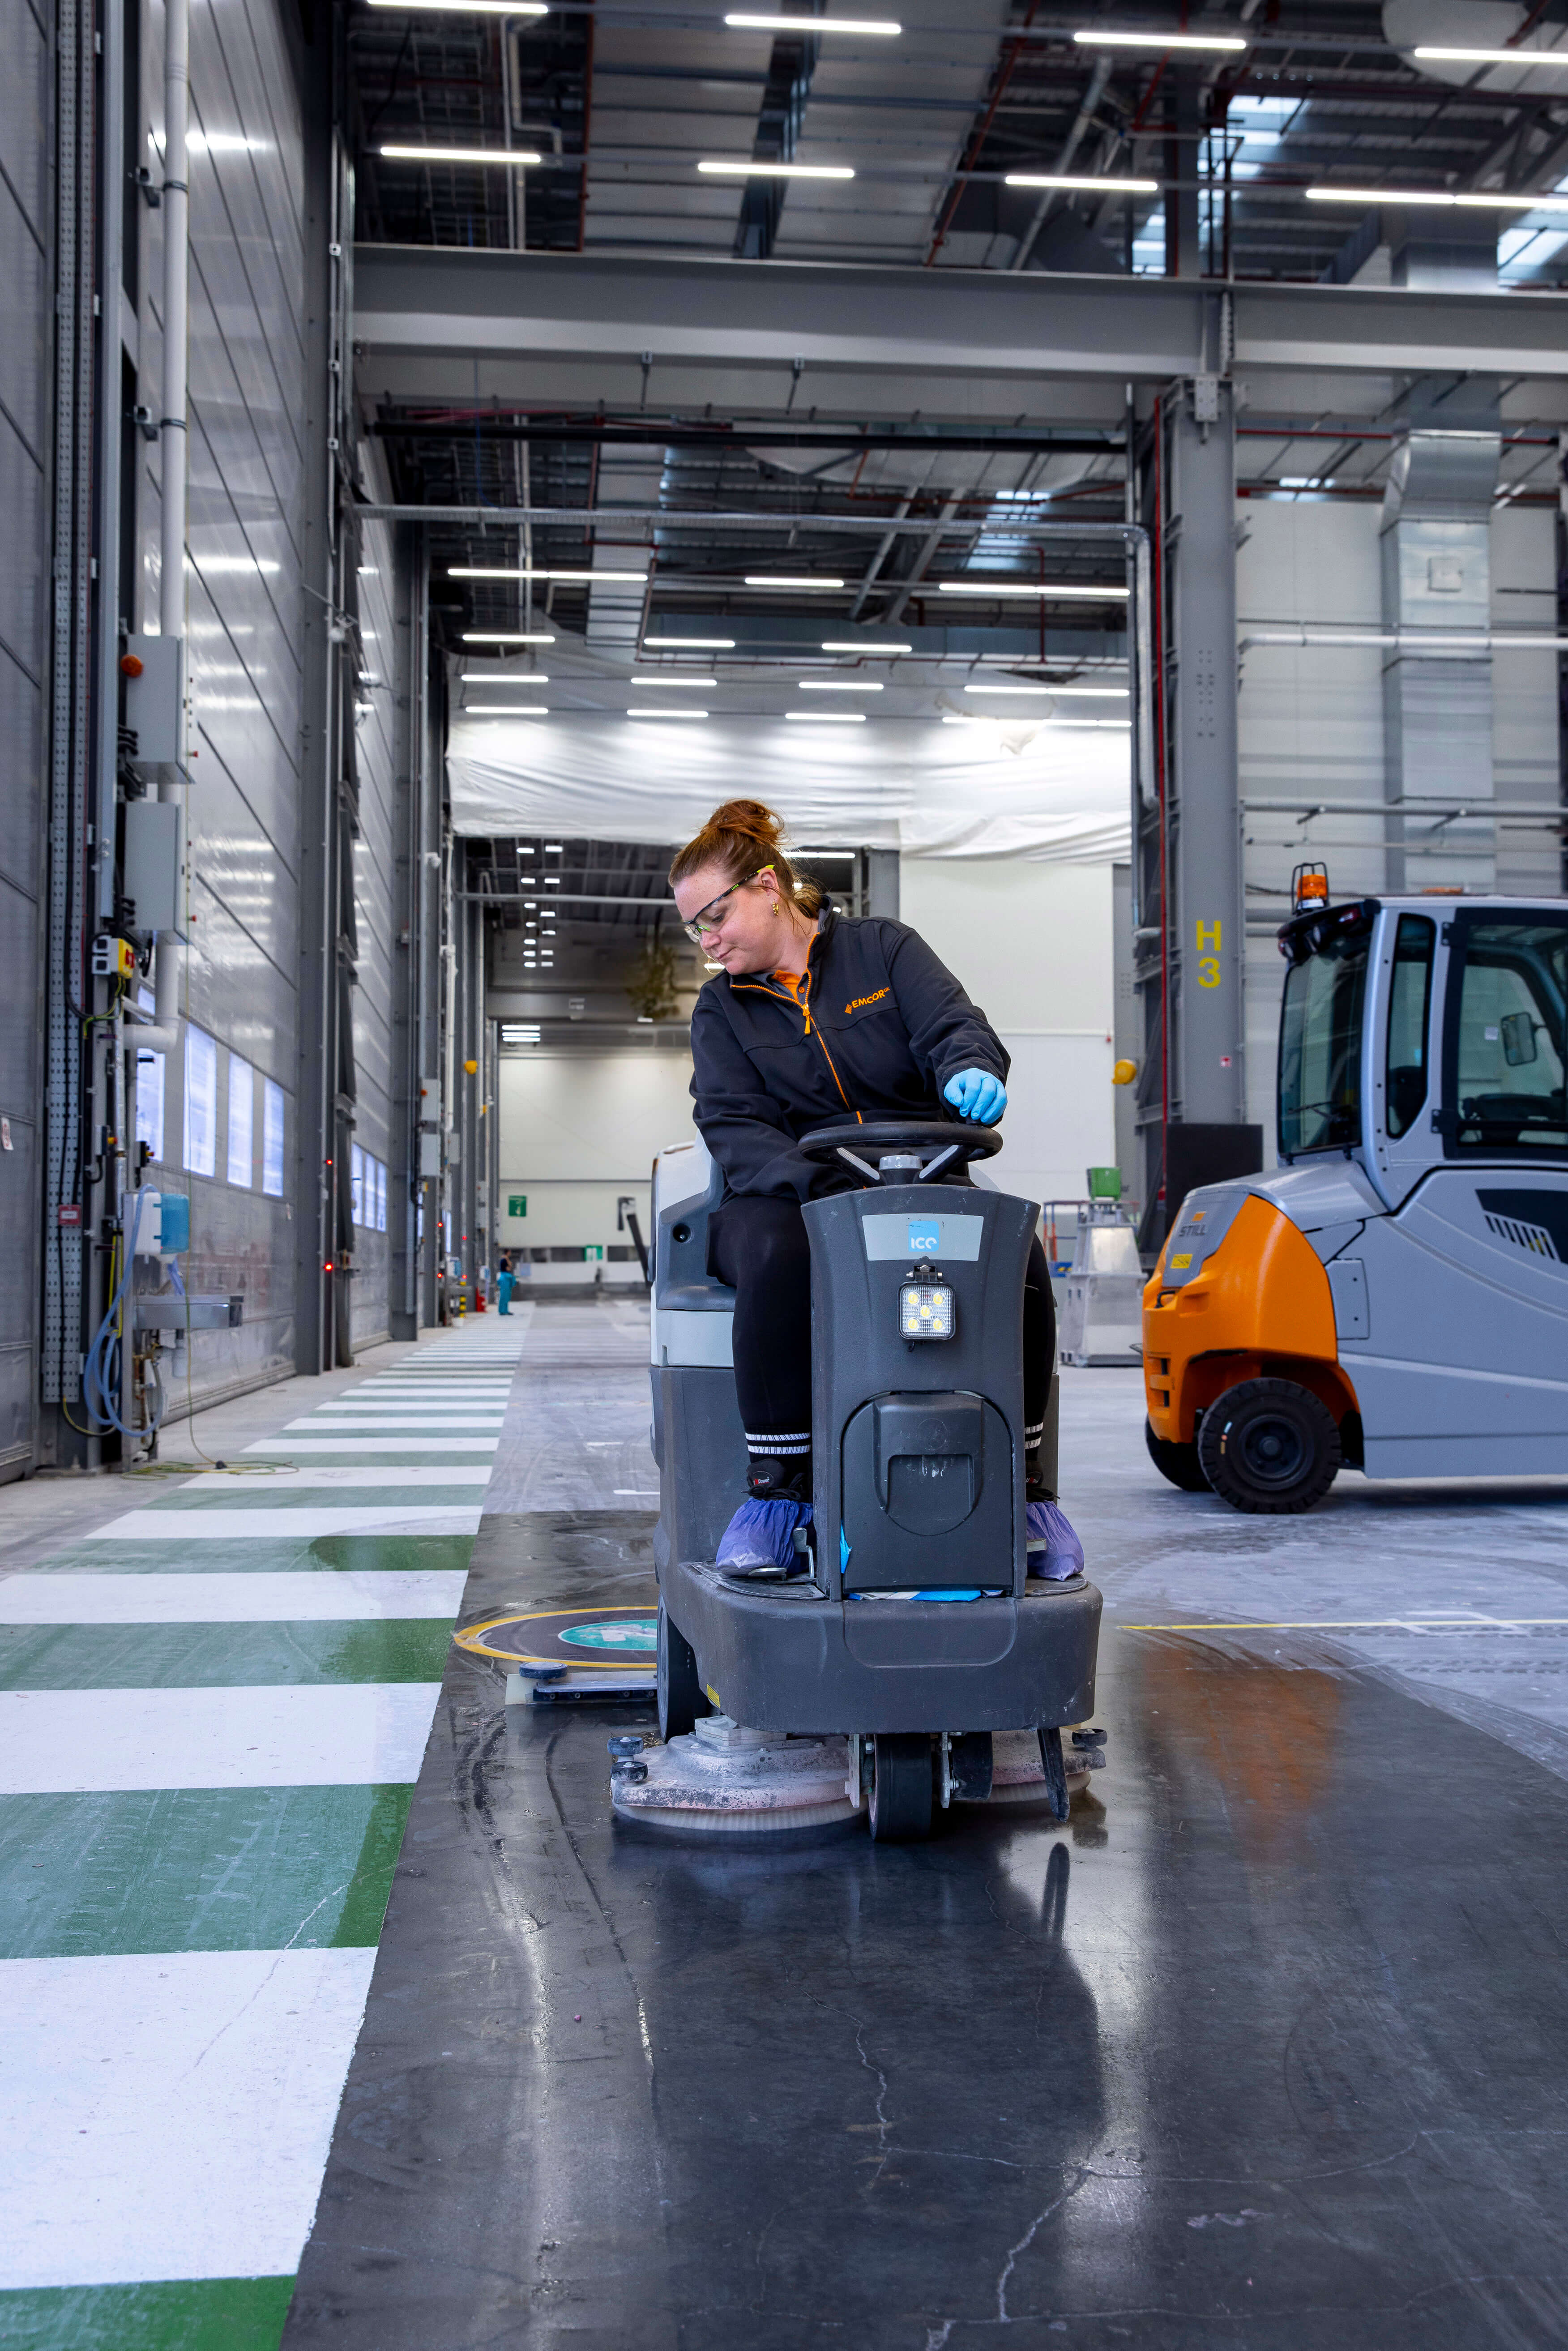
{"points": [[740, 838], [748, 817]]}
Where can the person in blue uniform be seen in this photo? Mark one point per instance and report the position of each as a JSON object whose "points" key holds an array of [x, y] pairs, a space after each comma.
{"points": [[816, 1016]]}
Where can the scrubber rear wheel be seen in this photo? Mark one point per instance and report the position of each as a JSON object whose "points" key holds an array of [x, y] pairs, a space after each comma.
{"points": [[900, 1787]]}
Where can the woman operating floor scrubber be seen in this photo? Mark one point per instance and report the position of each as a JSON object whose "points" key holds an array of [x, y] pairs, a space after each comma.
{"points": [[818, 1017]]}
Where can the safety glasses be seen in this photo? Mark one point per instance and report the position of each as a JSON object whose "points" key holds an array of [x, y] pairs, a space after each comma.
{"points": [[716, 913]]}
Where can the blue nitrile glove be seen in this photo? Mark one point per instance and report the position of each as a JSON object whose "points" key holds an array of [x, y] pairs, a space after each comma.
{"points": [[974, 1094]]}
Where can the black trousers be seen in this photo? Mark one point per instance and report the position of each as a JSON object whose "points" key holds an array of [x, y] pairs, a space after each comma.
{"points": [[759, 1246]]}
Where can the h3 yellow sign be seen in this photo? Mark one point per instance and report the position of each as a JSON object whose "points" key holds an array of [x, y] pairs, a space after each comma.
{"points": [[1209, 947]]}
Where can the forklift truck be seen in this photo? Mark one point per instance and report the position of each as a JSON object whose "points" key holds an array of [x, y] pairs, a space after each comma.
{"points": [[1395, 1295]]}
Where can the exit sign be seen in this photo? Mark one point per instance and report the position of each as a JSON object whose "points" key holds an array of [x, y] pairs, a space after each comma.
{"points": [[517, 1203]]}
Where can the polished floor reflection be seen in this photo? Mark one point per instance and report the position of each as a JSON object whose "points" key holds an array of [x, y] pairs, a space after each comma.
{"points": [[1264, 2048]]}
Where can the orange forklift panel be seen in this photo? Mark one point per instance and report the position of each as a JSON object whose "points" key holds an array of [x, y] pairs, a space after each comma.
{"points": [[1260, 1308]]}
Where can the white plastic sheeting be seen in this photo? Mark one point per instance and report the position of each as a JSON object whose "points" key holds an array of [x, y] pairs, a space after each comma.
{"points": [[1047, 787]]}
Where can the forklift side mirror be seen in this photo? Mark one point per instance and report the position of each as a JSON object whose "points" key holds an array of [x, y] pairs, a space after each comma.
{"points": [[1517, 1038]]}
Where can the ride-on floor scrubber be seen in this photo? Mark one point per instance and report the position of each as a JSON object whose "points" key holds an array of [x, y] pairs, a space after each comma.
{"points": [[1395, 1296], [909, 1658]]}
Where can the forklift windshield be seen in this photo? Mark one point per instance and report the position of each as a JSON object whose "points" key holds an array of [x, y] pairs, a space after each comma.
{"points": [[1320, 1046]]}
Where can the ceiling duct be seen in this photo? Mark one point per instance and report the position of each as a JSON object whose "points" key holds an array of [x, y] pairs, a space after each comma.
{"points": [[1437, 579]]}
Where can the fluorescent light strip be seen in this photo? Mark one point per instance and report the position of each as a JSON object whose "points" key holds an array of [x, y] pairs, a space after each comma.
{"points": [[503, 571], [1032, 588], [828, 718], [1036, 690], [679, 716], [745, 171], [1104, 187], [878, 27], [1097, 40], [772, 580], [505, 710], [486, 678], [468, 7], [690, 644], [692, 677], [874, 652], [505, 637], [514, 158], [1497, 57], [1120, 691], [839, 684], [1547, 200]]}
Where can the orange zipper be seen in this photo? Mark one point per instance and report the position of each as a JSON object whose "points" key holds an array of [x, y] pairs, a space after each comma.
{"points": [[803, 1008]]}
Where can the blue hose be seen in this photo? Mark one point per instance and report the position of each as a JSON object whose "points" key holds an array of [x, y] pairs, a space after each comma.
{"points": [[100, 1371]]}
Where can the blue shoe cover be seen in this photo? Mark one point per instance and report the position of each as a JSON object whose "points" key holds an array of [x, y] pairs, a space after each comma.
{"points": [[1054, 1551], [761, 1534]]}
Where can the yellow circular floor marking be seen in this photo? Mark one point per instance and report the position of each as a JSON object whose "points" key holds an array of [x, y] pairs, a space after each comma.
{"points": [[471, 1638]]}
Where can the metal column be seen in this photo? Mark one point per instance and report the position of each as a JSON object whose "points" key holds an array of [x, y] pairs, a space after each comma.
{"points": [[407, 900], [1191, 937], [316, 1112]]}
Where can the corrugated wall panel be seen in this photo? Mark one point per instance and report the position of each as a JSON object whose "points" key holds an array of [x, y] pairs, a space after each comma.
{"points": [[25, 313]]}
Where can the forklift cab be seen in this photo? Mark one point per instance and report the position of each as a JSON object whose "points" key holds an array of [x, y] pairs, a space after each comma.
{"points": [[1395, 1294]]}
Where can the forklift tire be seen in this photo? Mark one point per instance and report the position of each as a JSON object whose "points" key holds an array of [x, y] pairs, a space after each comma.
{"points": [[900, 1787], [1179, 1463], [1270, 1445], [682, 1698]]}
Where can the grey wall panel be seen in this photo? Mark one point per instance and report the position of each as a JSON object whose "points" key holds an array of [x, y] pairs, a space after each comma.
{"points": [[23, 320], [21, 775], [25, 111], [17, 1381], [235, 992], [245, 627], [23, 600], [21, 1046], [236, 860], [19, 1239]]}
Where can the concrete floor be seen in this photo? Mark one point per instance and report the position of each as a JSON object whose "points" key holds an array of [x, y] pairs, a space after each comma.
{"points": [[1264, 2048]]}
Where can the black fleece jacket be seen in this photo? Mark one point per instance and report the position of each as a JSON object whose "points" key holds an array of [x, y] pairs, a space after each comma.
{"points": [[886, 1025]]}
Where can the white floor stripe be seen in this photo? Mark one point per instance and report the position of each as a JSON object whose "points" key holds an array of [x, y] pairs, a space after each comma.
{"points": [[169, 2116], [267, 1481], [403, 1444], [264, 1597], [273, 1735], [165, 1525], [444, 1424]]}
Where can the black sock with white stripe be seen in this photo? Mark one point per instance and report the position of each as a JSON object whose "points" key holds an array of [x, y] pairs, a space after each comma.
{"points": [[1035, 1487], [780, 1464]]}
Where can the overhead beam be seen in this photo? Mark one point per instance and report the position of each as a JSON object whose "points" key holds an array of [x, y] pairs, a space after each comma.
{"points": [[495, 305]]}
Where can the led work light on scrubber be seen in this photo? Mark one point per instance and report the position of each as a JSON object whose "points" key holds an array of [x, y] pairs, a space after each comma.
{"points": [[924, 1310]]}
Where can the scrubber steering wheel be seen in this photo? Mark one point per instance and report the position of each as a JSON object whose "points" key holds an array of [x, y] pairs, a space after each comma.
{"points": [[906, 1150]]}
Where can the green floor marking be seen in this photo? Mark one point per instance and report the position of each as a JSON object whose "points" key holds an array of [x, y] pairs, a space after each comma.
{"points": [[385, 1553], [203, 2314], [203, 1501], [219, 1657], [201, 1869]]}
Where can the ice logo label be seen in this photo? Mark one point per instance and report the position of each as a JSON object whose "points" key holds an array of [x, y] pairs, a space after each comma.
{"points": [[639, 1632], [925, 1240]]}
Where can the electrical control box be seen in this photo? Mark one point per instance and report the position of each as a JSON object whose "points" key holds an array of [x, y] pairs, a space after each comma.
{"points": [[155, 866], [114, 958], [154, 673]]}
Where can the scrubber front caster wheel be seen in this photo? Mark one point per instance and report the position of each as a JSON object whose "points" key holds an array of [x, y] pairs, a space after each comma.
{"points": [[683, 1701], [1179, 1463], [1270, 1445], [900, 1787]]}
